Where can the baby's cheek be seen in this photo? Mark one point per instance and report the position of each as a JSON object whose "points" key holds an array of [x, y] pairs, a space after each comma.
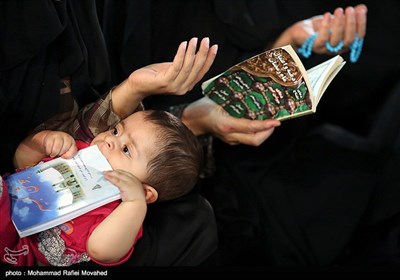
{"points": [[115, 163]]}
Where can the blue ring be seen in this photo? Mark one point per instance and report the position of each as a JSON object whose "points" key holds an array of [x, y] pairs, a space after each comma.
{"points": [[306, 49], [335, 49], [356, 49]]}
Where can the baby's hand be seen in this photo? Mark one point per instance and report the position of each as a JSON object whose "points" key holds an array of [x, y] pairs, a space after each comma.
{"points": [[58, 143], [130, 186]]}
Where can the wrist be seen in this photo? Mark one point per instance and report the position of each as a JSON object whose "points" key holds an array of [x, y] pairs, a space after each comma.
{"points": [[125, 99], [286, 38], [31, 150], [192, 121], [39, 140], [293, 35], [183, 112]]}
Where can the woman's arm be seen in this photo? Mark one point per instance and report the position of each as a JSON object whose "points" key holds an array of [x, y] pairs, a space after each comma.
{"points": [[177, 77], [342, 25], [205, 117]]}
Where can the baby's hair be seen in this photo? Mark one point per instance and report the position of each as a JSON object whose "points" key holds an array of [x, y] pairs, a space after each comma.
{"points": [[178, 156]]}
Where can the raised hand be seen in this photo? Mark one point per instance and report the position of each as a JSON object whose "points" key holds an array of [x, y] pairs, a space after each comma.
{"points": [[179, 76], [176, 77]]}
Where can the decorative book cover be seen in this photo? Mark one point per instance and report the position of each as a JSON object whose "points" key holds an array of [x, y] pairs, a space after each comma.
{"points": [[273, 84], [53, 192]]}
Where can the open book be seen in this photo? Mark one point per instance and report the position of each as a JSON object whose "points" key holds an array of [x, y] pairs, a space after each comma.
{"points": [[56, 191], [273, 84]]}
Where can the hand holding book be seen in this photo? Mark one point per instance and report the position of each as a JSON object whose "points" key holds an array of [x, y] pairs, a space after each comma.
{"points": [[273, 84]]}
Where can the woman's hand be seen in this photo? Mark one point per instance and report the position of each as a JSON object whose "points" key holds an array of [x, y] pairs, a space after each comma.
{"points": [[342, 25], [179, 76], [205, 116]]}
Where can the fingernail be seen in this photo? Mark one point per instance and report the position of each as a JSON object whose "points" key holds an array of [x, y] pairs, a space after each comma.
{"points": [[206, 42], [184, 45], [195, 40]]}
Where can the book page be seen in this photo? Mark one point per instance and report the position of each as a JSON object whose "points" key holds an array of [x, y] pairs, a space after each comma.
{"points": [[321, 75]]}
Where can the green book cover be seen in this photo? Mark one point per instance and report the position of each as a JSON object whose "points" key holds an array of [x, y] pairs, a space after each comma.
{"points": [[273, 84]]}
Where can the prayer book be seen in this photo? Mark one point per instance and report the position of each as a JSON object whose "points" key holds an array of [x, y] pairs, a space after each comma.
{"points": [[273, 84], [54, 192]]}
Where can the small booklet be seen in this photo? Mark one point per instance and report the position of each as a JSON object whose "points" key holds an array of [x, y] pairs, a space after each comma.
{"points": [[56, 191], [273, 84]]}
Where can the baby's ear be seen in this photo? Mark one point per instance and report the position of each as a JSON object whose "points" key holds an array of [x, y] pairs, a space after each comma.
{"points": [[151, 193]]}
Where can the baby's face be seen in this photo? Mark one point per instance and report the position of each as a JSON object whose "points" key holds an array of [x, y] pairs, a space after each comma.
{"points": [[130, 145]]}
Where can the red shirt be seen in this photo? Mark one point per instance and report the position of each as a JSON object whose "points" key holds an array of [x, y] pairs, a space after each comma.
{"points": [[63, 245]]}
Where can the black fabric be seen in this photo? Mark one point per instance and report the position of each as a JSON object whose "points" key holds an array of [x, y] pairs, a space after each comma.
{"points": [[42, 42], [181, 232], [317, 190], [304, 208], [245, 29], [360, 90], [151, 28], [176, 233]]}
